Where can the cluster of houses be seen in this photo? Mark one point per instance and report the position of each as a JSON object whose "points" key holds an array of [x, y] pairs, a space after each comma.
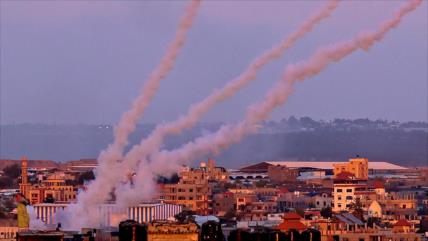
{"points": [[354, 200]]}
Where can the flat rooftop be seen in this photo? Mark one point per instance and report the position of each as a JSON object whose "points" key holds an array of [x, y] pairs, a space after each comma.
{"points": [[263, 166], [329, 165]]}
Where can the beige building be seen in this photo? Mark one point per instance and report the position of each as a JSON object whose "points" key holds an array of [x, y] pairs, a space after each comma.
{"points": [[8, 233], [281, 174], [194, 189], [345, 189], [165, 231], [357, 166], [54, 188]]}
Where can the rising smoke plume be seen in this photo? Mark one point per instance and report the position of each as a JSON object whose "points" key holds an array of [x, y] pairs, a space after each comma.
{"points": [[196, 111], [169, 161], [166, 162], [97, 192]]}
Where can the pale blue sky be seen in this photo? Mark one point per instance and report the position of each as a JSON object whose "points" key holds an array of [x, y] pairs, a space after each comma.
{"points": [[84, 61]]}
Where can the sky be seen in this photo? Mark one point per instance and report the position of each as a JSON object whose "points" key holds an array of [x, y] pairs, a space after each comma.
{"points": [[83, 62]]}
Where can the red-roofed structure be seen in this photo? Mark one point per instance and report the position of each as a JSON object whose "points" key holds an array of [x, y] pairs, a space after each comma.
{"points": [[291, 221], [402, 222], [345, 176], [378, 184]]}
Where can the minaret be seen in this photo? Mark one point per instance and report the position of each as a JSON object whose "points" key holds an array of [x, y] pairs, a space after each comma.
{"points": [[24, 167], [24, 186]]}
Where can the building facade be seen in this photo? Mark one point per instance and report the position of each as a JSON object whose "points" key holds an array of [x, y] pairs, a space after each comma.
{"points": [[359, 167], [112, 214], [195, 187]]}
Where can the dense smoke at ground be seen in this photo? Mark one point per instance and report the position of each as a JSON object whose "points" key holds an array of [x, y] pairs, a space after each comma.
{"points": [[136, 157], [35, 223], [98, 192], [167, 162], [148, 161]]}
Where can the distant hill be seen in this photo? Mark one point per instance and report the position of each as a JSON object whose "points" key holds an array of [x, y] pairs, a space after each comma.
{"points": [[31, 163], [292, 139]]}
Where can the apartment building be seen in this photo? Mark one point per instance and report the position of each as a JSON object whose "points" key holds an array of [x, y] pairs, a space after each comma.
{"points": [[53, 189], [359, 167], [195, 187]]}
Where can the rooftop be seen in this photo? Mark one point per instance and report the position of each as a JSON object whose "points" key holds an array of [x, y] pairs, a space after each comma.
{"points": [[329, 165], [262, 166]]}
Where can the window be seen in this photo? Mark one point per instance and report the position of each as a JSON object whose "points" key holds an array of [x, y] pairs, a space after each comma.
{"points": [[348, 190], [339, 198], [190, 190], [349, 198], [339, 190]]}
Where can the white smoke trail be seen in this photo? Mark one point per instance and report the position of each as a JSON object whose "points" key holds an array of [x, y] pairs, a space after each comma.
{"points": [[97, 192], [169, 161], [153, 142]]}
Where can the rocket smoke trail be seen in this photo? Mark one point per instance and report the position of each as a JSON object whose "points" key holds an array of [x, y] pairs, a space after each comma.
{"points": [[166, 162], [154, 141], [97, 192]]}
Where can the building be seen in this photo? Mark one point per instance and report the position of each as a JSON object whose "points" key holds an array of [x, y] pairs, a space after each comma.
{"points": [[195, 187], [53, 189], [292, 221], [143, 213], [346, 227], [167, 231], [8, 233], [281, 174], [322, 200], [24, 186], [346, 186], [359, 167], [373, 166]]}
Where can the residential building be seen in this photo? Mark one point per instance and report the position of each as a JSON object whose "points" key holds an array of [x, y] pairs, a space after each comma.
{"points": [[53, 189], [346, 186], [282, 174], [195, 187], [359, 167]]}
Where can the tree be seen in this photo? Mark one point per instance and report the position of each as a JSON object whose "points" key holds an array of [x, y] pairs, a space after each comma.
{"points": [[185, 216], [12, 171], [373, 220], [85, 176], [326, 212], [230, 214], [300, 211], [357, 209], [6, 182]]}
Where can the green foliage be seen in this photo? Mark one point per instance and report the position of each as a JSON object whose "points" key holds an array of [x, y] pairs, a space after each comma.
{"points": [[326, 212], [12, 171], [85, 176], [185, 216], [230, 214], [6, 182]]}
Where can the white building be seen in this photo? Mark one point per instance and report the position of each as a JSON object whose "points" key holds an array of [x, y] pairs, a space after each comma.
{"points": [[112, 214]]}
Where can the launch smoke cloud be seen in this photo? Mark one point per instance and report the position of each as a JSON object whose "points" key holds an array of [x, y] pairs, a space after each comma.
{"points": [[166, 162], [112, 173], [97, 192]]}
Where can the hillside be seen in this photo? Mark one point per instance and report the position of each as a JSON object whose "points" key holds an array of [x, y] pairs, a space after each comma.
{"points": [[297, 139]]}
